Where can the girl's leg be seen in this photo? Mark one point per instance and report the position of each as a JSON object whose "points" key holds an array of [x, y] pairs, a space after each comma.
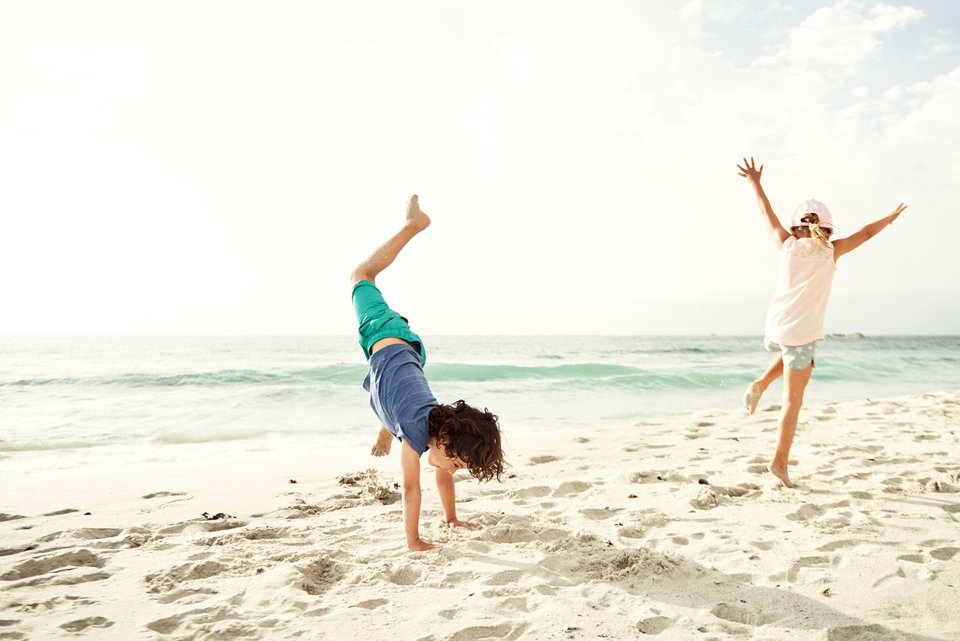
{"points": [[379, 260], [795, 382], [751, 398]]}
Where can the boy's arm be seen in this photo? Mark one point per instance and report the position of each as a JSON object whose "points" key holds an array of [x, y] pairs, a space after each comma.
{"points": [[843, 246], [752, 174], [410, 464], [448, 499]]}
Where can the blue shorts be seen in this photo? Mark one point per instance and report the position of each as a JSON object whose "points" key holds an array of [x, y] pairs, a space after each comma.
{"points": [[376, 320], [796, 358]]}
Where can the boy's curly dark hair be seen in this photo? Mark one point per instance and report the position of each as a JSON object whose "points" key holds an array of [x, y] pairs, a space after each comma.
{"points": [[470, 434]]}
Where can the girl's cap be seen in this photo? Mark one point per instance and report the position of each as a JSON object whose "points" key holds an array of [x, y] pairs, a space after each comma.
{"points": [[812, 207]]}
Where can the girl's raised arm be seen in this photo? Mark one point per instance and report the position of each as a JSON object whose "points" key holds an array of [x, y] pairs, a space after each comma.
{"points": [[842, 246], [752, 174]]}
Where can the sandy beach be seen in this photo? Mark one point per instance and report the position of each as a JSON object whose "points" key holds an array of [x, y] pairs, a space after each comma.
{"points": [[668, 528]]}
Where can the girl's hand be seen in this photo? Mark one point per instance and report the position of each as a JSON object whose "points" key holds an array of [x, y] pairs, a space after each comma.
{"points": [[458, 523], [750, 171], [896, 212]]}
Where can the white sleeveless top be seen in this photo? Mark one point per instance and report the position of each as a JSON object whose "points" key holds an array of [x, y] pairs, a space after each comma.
{"points": [[804, 276]]}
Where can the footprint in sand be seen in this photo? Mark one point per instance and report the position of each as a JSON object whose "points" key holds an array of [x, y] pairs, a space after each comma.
{"points": [[506, 533], [403, 575], [745, 615], [571, 488], [321, 574], [912, 558], [198, 526], [507, 577], [540, 460], [10, 517], [598, 514], [538, 491], [477, 632], [861, 633], [200, 618], [186, 595], [173, 578], [944, 554], [371, 604], [654, 625], [90, 622], [816, 563], [457, 579], [68, 510], [806, 512], [85, 534], [632, 532], [832, 546], [38, 567], [516, 603]]}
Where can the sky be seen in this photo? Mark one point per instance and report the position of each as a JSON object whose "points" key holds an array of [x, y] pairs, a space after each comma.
{"points": [[219, 167]]}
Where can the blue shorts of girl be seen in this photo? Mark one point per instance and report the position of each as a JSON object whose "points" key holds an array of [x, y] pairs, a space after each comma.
{"points": [[797, 358], [376, 320]]}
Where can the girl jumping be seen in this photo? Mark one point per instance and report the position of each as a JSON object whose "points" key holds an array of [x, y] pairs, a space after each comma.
{"points": [[805, 268]]}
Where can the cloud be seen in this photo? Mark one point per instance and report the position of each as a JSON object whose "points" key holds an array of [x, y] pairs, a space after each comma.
{"points": [[838, 39], [937, 49]]}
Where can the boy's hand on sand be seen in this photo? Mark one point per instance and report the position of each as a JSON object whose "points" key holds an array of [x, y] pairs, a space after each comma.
{"points": [[422, 546], [750, 171], [459, 523]]}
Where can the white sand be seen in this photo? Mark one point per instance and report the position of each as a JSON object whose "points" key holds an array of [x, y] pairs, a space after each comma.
{"points": [[668, 528]]}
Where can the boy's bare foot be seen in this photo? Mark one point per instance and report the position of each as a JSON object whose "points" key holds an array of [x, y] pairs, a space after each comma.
{"points": [[415, 215], [781, 473], [751, 398], [384, 441]]}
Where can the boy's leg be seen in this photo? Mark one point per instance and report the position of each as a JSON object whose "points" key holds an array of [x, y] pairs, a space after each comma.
{"points": [[384, 441], [380, 259], [795, 382], [751, 398]]}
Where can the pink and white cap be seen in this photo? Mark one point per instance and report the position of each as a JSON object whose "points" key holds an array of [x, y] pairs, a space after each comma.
{"points": [[812, 207]]}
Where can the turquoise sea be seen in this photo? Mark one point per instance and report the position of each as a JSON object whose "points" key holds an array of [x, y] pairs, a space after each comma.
{"points": [[70, 402]]}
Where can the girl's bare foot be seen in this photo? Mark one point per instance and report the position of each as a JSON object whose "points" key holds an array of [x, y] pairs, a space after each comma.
{"points": [[781, 473], [415, 216], [384, 441], [751, 398]]}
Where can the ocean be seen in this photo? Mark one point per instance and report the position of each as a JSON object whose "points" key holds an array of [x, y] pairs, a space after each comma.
{"points": [[84, 402]]}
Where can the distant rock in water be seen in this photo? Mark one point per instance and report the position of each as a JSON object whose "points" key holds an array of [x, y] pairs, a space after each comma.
{"points": [[850, 335]]}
